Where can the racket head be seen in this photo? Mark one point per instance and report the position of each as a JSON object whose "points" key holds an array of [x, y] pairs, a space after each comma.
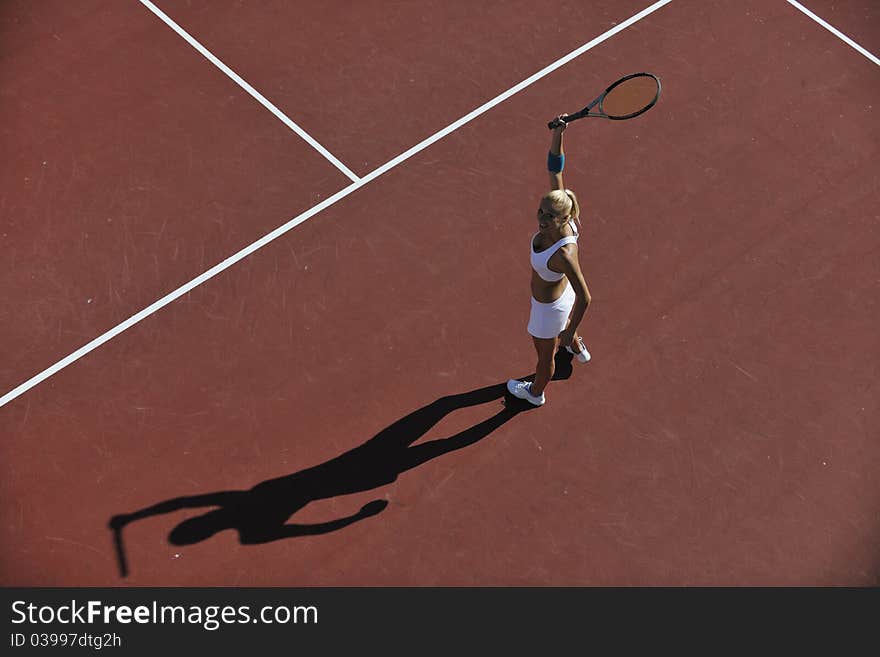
{"points": [[630, 96]]}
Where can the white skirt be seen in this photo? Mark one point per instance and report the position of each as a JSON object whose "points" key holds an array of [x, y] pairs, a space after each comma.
{"points": [[548, 320]]}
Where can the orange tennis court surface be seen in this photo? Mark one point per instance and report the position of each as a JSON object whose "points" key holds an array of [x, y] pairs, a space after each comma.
{"points": [[327, 409]]}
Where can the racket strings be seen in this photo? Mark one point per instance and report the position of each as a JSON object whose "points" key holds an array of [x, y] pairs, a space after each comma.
{"points": [[630, 96]]}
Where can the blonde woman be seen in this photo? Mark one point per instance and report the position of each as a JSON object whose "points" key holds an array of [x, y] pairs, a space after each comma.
{"points": [[559, 293]]}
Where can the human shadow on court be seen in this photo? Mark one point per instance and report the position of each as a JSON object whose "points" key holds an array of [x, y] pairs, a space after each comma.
{"points": [[261, 514]]}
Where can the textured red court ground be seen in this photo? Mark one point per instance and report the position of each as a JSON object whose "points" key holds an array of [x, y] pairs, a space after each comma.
{"points": [[724, 433]]}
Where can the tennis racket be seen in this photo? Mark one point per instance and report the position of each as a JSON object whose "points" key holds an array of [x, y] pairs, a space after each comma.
{"points": [[630, 96]]}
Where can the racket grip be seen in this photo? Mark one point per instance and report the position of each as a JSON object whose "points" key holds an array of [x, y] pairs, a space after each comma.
{"points": [[555, 123]]}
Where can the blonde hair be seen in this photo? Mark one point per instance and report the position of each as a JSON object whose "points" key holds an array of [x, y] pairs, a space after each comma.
{"points": [[564, 203]]}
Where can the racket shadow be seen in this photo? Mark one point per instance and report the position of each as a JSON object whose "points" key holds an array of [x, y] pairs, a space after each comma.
{"points": [[261, 514]]}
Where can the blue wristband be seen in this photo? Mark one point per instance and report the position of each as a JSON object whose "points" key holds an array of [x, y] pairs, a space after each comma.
{"points": [[555, 163]]}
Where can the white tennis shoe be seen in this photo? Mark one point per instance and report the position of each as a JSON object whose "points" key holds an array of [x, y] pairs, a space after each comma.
{"points": [[522, 389], [583, 356]]}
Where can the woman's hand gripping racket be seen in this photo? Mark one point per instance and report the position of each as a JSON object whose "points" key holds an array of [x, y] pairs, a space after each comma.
{"points": [[625, 99]]}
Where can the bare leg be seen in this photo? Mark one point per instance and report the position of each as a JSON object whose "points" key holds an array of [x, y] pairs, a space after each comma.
{"points": [[546, 348]]}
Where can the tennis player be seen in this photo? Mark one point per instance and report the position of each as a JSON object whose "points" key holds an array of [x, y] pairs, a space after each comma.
{"points": [[559, 293]]}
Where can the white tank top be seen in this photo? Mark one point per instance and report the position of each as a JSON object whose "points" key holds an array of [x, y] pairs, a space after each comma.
{"points": [[539, 259]]}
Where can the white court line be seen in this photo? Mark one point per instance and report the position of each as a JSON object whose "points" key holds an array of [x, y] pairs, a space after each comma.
{"points": [[840, 35], [326, 203], [253, 92]]}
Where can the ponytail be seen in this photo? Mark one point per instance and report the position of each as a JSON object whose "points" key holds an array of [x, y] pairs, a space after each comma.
{"points": [[575, 208]]}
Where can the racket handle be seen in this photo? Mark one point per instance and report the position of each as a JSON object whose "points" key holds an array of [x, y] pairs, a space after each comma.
{"points": [[555, 123]]}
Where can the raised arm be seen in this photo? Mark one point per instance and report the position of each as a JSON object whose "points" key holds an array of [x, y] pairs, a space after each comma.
{"points": [[556, 157]]}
